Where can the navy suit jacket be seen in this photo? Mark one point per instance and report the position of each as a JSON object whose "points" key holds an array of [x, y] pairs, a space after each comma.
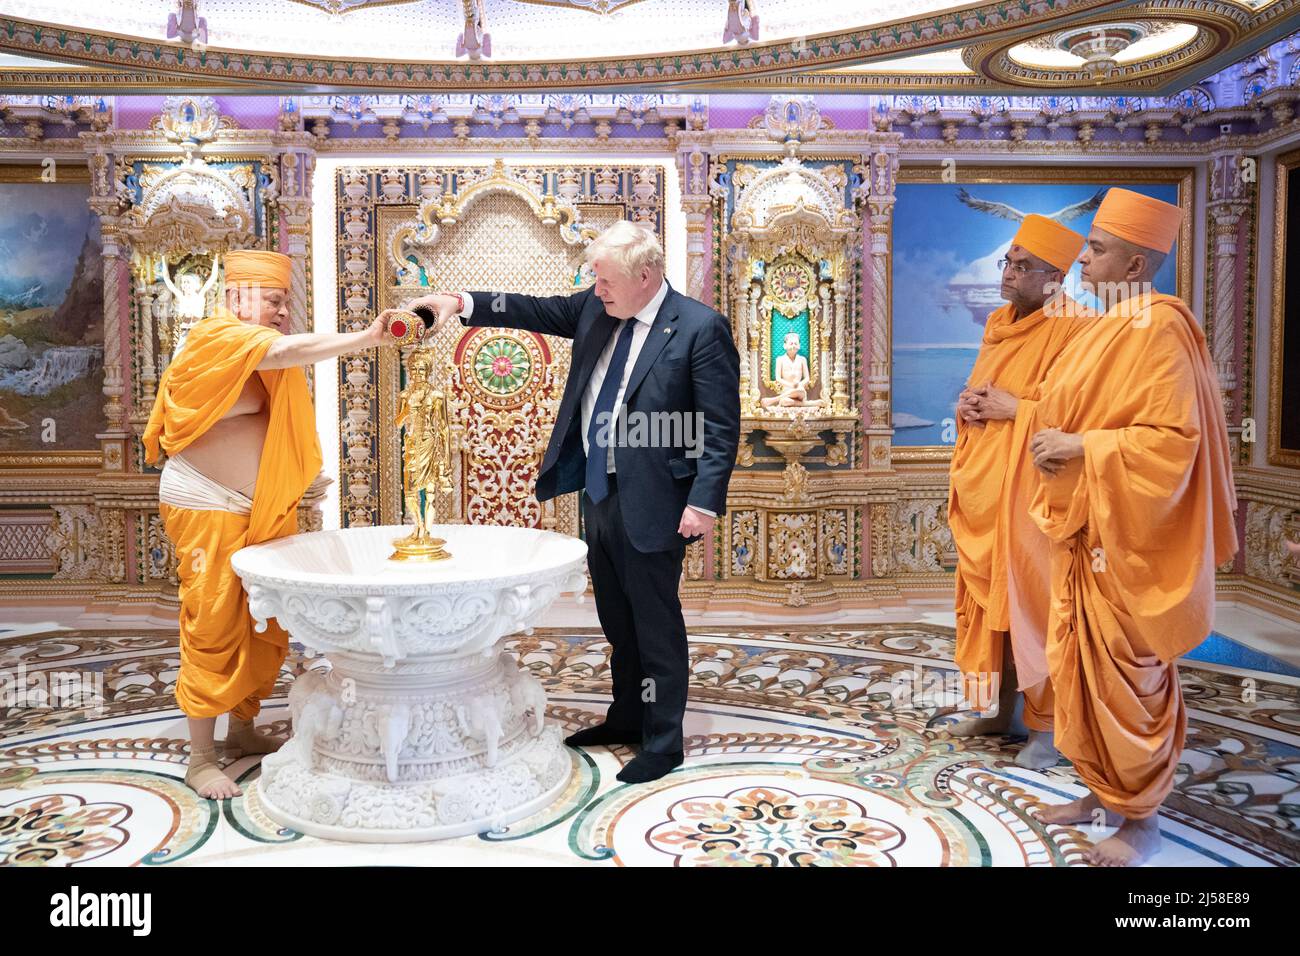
{"points": [[688, 365]]}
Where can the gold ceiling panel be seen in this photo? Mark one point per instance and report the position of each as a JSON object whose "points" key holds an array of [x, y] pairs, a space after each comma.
{"points": [[87, 60], [213, 67]]}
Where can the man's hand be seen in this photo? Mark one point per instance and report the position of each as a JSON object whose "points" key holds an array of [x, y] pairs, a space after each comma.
{"points": [[1052, 448], [443, 306], [694, 522], [996, 404], [988, 403], [966, 408], [377, 333]]}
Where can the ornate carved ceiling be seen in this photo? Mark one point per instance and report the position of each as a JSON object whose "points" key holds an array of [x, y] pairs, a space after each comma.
{"points": [[1148, 46]]}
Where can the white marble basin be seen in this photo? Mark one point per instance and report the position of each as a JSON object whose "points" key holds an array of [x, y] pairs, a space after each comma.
{"points": [[422, 727], [358, 558], [337, 590]]}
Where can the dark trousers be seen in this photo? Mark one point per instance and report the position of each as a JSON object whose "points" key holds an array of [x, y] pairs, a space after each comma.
{"points": [[636, 601]]}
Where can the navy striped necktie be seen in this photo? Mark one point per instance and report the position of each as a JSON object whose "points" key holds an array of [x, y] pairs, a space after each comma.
{"points": [[602, 413]]}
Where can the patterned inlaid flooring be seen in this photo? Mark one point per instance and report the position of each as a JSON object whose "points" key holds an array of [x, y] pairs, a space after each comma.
{"points": [[803, 747]]}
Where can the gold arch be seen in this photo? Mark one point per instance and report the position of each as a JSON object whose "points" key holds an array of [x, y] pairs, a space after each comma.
{"points": [[449, 208]]}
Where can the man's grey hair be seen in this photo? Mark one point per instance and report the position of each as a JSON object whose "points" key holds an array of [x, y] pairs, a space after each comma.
{"points": [[632, 246]]}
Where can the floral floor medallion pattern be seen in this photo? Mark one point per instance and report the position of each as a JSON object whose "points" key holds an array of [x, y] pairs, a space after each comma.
{"points": [[800, 751]]}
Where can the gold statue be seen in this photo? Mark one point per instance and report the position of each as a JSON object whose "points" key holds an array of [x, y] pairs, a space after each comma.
{"points": [[426, 457]]}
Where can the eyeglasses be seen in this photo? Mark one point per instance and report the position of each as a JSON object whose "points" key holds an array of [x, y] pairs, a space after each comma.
{"points": [[1017, 268]]}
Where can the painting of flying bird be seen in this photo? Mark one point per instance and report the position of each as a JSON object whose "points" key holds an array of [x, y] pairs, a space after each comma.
{"points": [[1002, 210], [948, 239]]}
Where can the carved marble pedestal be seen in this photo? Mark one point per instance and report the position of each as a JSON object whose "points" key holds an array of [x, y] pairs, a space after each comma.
{"points": [[423, 728]]}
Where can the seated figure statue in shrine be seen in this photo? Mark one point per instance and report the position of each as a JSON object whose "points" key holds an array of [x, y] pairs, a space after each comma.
{"points": [[792, 377]]}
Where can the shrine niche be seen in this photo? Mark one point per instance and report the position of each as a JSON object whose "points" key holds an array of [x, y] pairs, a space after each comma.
{"points": [[187, 216], [518, 229], [794, 515], [793, 241], [789, 324], [794, 253]]}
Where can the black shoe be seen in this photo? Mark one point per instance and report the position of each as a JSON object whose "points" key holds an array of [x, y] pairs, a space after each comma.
{"points": [[602, 735], [647, 766]]}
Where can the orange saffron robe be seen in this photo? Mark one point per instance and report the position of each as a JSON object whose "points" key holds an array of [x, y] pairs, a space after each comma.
{"points": [[1000, 550], [1138, 526], [225, 665]]}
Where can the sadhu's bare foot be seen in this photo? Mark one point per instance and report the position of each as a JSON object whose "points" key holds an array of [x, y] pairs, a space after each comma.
{"points": [[243, 738], [1083, 810], [206, 778], [999, 723], [1133, 844], [1039, 753]]}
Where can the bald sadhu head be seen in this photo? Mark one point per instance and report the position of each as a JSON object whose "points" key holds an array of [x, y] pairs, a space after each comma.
{"points": [[1130, 238], [1042, 251], [257, 287]]}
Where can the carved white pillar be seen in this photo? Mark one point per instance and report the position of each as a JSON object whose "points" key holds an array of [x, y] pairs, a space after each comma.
{"points": [[148, 370], [878, 376], [840, 378], [879, 172], [294, 202], [104, 201], [113, 438], [742, 343], [1225, 300], [297, 218], [113, 384], [696, 252], [824, 346], [163, 325], [1229, 201], [693, 170]]}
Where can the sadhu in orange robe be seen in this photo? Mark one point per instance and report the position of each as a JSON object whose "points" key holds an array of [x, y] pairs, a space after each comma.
{"points": [[225, 665], [1138, 526], [1002, 568]]}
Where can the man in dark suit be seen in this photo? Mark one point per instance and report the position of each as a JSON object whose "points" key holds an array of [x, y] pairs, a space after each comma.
{"points": [[648, 425]]}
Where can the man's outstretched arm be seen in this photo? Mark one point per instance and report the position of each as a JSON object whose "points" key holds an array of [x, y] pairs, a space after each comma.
{"points": [[549, 314], [308, 348]]}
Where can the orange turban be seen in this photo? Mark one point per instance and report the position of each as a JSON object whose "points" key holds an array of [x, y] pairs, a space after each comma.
{"points": [[1049, 240], [1139, 219], [256, 266]]}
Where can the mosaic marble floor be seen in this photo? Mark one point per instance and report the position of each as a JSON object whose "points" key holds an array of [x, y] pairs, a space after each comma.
{"points": [[800, 750]]}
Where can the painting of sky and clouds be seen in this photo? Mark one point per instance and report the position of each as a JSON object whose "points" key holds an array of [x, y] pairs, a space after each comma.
{"points": [[948, 238]]}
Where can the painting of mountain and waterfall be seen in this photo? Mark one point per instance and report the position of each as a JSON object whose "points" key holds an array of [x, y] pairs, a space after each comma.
{"points": [[51, 319]]}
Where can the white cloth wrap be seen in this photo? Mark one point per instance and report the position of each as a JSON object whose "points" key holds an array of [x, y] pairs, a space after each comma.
{"points": [[184, 486]]}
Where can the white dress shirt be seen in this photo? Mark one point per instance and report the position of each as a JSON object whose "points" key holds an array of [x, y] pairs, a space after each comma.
{"points": [[644, 319]]}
